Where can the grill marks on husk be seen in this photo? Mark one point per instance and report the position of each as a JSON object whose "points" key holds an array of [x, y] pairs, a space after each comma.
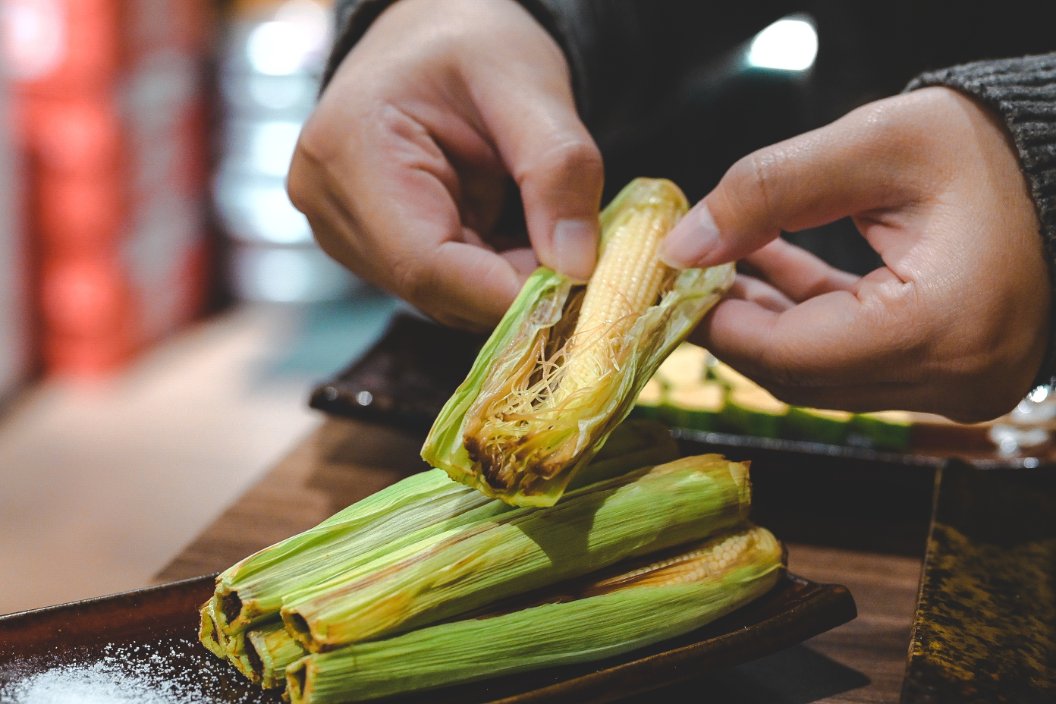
{"points": [[493, 456]]}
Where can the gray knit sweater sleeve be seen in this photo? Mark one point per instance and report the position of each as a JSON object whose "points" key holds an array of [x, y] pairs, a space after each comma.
{"points": [[1023, 92]]}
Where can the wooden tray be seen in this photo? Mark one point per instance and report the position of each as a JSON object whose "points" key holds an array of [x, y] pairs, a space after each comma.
{"points": [[143, 644]]}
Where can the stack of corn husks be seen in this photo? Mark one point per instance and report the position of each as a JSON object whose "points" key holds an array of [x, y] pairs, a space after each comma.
{"points": [[566, 538], [416, 587]]}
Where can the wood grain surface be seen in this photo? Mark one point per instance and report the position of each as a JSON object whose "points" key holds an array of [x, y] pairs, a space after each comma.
{"points": [[342, 461]]}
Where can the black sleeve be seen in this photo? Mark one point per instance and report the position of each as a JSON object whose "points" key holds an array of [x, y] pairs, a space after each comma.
{"points": [[628, 58], [1022, 91]]}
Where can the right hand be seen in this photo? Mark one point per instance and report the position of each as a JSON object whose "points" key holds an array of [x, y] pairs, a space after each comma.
{"points": [[956, 319], [404, 166]]}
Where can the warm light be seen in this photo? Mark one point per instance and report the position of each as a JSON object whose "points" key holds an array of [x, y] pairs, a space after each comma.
{"points": [[258, 210], [285, 275], [271, 145], [276, 48], [32, 37], [790, 44], [288, 274], [294, 40]]}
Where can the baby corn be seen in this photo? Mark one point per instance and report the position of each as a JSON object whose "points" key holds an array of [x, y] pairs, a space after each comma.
{"points": [[465, 569], [618, 614], [566, 363]]}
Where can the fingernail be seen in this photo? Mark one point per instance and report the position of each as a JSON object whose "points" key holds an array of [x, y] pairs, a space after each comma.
{"points": [[692, 239], [575, 248]]}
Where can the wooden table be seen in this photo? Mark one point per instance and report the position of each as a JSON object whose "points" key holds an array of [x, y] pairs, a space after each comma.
{"points": [[341, 461]]}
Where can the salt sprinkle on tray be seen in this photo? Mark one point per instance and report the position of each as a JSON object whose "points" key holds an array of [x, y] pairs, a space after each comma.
{"points": [[170, 671]]}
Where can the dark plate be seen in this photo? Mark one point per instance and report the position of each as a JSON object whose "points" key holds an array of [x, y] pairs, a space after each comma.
{"points": [[404, 379], [141, 646]]}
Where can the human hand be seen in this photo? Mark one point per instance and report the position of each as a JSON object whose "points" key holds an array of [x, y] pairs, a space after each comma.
{"points": [[956, 320], [404, 167]]}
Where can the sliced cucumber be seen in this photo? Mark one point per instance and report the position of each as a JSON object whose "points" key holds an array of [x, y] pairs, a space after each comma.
{"points": [[818, 424], [887, 430], [753, 411], [698, 407]]}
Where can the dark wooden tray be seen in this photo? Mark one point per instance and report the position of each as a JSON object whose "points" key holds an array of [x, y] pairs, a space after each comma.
{"points": [[145, 642]]}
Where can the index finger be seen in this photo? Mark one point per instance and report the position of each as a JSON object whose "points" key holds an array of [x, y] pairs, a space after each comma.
{"points": [[859, 164]]}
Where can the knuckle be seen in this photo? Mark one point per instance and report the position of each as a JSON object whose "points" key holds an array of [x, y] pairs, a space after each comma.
{"points": [[753, 181], [411, 281], [572, 157], [315, 141], [893, 133], [297, 187], [580, 157], [309, 158]]}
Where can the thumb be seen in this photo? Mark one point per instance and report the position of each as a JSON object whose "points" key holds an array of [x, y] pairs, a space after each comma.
{"points": [[807, 181], [559, 172]]}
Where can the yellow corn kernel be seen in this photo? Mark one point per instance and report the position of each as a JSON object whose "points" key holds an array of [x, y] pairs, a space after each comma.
{"points": [[628, 279]]}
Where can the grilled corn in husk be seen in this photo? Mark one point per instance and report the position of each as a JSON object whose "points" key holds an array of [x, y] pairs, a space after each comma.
{"points": [[566, 363], [615, 566], [251, 591], [622, 612], [467, 568]]}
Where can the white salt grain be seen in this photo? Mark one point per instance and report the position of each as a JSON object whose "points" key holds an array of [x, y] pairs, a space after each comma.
{"points": [[142, 674], [91, 684]]}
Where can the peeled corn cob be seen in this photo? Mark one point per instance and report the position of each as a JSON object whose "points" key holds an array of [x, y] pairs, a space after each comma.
{"points": [[565, 364], [628, 280], [251, 591], [465, 569], [608, 617]]}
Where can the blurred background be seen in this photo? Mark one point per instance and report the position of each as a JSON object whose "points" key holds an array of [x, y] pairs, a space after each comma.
{"points": [[163, 308], [164, 311]]}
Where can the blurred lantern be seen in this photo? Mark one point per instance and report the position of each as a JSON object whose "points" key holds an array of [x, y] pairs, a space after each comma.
{"points": [[273, 55], [789, 44], [109, 104], [14, 262]]}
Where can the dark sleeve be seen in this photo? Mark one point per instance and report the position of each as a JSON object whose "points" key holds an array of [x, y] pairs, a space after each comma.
{"points": [[1022, 92], [628, 58]]}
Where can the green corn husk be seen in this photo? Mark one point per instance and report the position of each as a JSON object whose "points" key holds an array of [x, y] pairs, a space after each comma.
{"points": [[614, 616], [270, 650], [208, 632], [251, 591], [521, 550], [508, 430], [235, 646]]}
